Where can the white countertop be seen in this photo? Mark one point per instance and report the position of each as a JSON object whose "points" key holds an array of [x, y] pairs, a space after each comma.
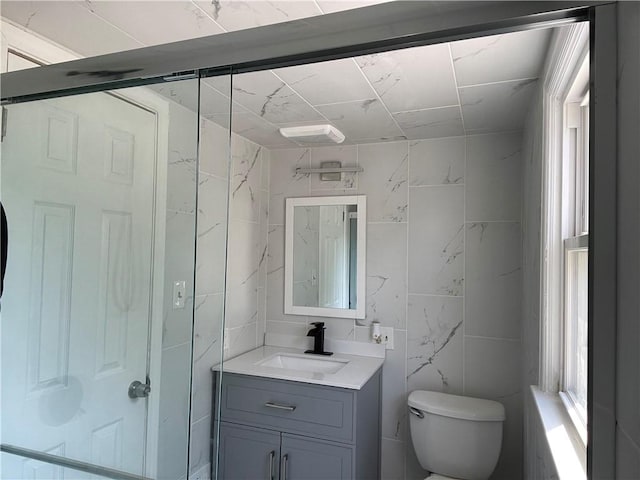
{"points": [[353, 375]]}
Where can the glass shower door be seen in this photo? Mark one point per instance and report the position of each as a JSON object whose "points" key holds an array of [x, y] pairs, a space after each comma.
{"points": [[86, 189]]}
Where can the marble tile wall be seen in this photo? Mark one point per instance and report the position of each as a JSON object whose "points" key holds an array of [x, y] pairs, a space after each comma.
{"points": [[245, 187], [179, 254], [443, 269]]}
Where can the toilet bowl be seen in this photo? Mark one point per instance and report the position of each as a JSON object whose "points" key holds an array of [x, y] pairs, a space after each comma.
{"points": [[455, 437]]}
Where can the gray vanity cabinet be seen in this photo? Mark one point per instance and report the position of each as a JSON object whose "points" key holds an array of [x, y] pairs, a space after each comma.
{"points": [[285, 430], [248, 453]]}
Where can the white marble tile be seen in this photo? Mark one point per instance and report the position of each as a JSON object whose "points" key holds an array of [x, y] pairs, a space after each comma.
{"points": [[426, 72], [242, 274], [200, 444], [214, 149], [172, 21], [270, 98], [285, 182], [500, 57], [264, 172], [296, 329], [348, 155], [261, 327], [173, 434], [252, 127], [212, 231], [327, 82], [491, 367], [435, 343], [431, 123], [241, 340], [238, 15], [394, 391], [437, 162], [494, 177], [263, 238], [493, 279], [384, 180], [179, 249], [245, 179], [392, 459], [183, 92], [275, 278], [90, 35], [336, 328], [181, 167], [496, 107], [207, 352], [386, 274], [436, 240], [367, 119]]}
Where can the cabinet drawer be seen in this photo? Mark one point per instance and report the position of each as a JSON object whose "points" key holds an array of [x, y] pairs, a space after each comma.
{"points": [[323, 412]]}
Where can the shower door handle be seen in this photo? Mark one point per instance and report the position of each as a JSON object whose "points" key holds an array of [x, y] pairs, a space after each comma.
{"points": [[138, 389]]}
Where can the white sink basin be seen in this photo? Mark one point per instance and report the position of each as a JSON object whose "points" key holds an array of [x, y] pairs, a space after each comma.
{"points": [[303, 363]]}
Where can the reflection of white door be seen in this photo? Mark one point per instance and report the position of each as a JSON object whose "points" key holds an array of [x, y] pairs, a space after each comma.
{"points": [[78, 189], [333, 288]]}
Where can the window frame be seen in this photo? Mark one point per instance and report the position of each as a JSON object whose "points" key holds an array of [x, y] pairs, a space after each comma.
{"points": [[565, 206]]}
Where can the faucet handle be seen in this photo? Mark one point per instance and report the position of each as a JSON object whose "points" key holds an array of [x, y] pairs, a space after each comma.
{"points": [[318, 324]]}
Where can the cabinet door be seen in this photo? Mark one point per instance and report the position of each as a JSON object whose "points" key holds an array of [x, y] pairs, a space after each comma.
{"points": [[307, 459], [248, 453]]}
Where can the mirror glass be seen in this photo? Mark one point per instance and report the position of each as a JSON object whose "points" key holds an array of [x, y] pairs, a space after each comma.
{"points": [[325, 240]]}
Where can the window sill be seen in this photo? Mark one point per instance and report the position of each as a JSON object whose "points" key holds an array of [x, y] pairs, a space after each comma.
{"points": [[566, 447]]}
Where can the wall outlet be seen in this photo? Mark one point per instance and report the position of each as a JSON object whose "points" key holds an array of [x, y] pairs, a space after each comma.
{"points": [[387, 337], [225, 340]]}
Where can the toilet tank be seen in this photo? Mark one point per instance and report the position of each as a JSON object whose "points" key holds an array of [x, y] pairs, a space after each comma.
{"points": [[459, 437]]}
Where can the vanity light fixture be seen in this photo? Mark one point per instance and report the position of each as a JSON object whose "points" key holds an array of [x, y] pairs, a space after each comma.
{"points": [[330, 171]]}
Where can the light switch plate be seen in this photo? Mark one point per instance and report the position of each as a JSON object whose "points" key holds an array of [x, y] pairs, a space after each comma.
{"points": [[179, 294]]}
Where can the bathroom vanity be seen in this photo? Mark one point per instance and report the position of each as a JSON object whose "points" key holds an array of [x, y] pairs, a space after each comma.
{"points": [[288, 418]]}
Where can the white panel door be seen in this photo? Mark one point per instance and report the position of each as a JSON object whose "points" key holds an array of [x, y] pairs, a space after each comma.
{"points": [[78, 189], [333, 288]]}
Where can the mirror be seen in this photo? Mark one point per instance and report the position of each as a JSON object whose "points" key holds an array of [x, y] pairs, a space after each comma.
{"points": [[325, 240]]}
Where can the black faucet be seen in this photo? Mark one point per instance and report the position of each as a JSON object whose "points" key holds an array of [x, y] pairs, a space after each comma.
{"points": [[317, 332]]}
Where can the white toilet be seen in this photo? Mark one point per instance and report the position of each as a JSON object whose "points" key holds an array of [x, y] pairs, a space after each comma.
{"points": [[455, 437]]}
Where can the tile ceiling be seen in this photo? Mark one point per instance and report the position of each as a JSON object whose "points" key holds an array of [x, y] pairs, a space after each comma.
{"points": [[473, 86]]}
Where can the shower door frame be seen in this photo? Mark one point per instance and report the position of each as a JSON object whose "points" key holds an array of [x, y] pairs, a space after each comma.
{"points": [[347, 34], [39, 50]]}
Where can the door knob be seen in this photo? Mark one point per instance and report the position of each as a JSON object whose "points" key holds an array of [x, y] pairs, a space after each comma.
{"points": [[138, 389]]}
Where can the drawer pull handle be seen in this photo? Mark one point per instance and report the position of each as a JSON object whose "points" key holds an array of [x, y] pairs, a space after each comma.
{"points": [[289, 408], [285, 461], [272, 457]]}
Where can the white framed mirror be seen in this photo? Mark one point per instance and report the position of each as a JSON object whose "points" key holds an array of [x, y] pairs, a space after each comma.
{"points": [[325, 256]]}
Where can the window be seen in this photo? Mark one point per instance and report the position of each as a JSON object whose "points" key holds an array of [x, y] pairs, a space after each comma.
{"points": [[575, 227]]}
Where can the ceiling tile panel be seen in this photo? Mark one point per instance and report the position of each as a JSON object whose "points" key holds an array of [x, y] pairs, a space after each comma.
{"points": [[70, 25], [496, 107], [361, 120], [270, 98], [255, 129], [238, 15], [328, 82], [156, 22], [514, 56], [413, 78], [432, 123]]}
